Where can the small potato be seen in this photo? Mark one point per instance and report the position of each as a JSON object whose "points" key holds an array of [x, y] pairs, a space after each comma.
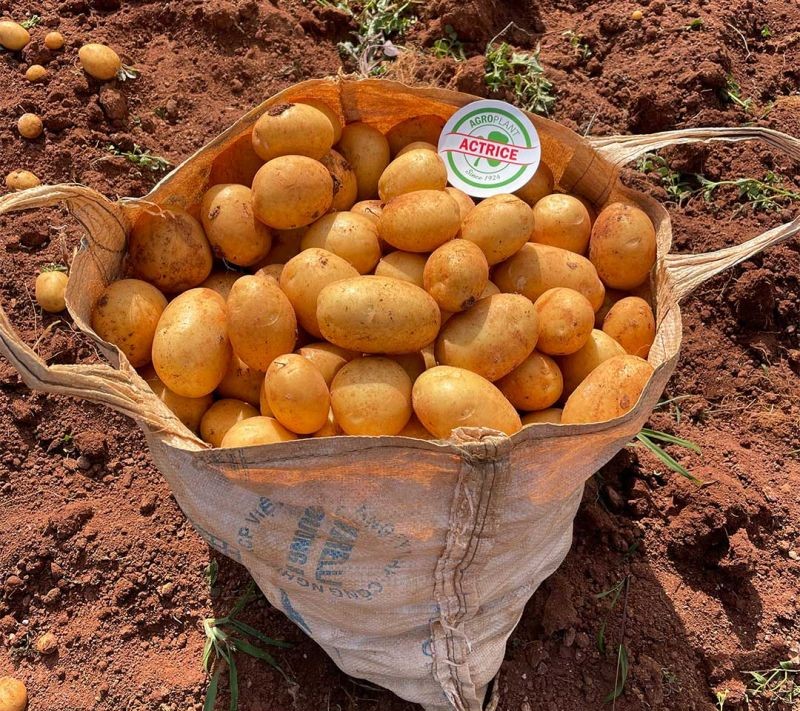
{"points": [[371, 396], [256, 431], [611, 297], [446, 398], [609, 391], [35, 72], [415, 429], [576, 366], [414, 170], [539, 267], [630, 322], [221, 416], [420, 221], [127, 315], [189, 410], [30, 126], [499, 225], [417, 145], [372, 314], [333, 117], [99, 61], [221, 282], [352, 237], [623, 246], [50, 290], [566, 319], [54, 40], [191, 350], [169, 249], [367, 151], [551, 415], [13, 36], [492, 338], [425, 128], [373, 209], [534, 384], [538, 186], [261, 321], [13, 694], [272, 270], [241, 382], [22, 180], [412, 363], [231, 228], [292, 129], [292, 191], [238, 163], [464, 201], [405, 266], [345, 185], [305, 276], [561, 221], [456, 274], [297, 394], [327, 358]]}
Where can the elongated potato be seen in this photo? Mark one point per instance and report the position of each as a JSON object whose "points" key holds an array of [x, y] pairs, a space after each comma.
{"points": [[499, 225], [241, 382], [22, 180], [127, 314], [609, 391], [221, 416], [352, 237], [535, 384], [13, 36], [373, 209], [406, 266], [623, 246], [576, 366], [630, 322], [372, 314], [305, 276], [292, 129], [446, 398], [561, 221], [416, 145], [261, 321], [550, 415], [254, 431], [345, 185], [99, 61], [420, 221], [297, 394], [221, 282], [189, 410], [367, 151], [331, 113], [414, 170], [327, 358], [566, 320], [169, 249], [230, 226], [371, 396], [539, 267], [538, 186], [417, 128], [456, 274], [191, 349], [464, 201], [491, 338]]}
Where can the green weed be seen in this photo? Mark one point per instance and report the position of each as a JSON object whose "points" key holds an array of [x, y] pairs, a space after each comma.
{"points": [[579, 44], [31, 22], [767, 194], [649, 438], [621, 675], [53, 267], [210, 572], [520, 74], [731, 93], [140, 157], [695, 24], [721, 697], [676, 184], [127, 73], [766, 32], [779, 685], [449, 46]]}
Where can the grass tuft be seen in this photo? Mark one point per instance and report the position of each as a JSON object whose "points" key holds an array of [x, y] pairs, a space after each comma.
{"points": [[780, 685], [141, 157], [31, 22], [649, 438], [521, 75], [449, 45], [579, 45]]}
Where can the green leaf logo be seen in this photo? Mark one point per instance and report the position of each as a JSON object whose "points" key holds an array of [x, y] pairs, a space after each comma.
{"points": [[499, 138]]}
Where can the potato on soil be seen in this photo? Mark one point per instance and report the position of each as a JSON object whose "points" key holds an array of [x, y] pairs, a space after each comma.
{"points": [[221, 416], [336, 122], [232, 230], [46, 644], [238, 163], [30, 126], [127, 315], [189, 410], [420, 221], [50, 290], [22, 180], [609, 391], [13, 694], [327, 358], [550, 415], [373, 209], [425, 128], [367, 151], [99, 61], [535, 384], [372, 314], [221, 282], [305, 276], [255, 431], [446, 398], [464, 201], [456, 274], [538, 186], [630, 322], [191, 350], [417, 145], [35, 72], [345, 185], [169, 249], [576, 366], [292, 130], [406, 266], [371, 396], [241, 382], [566, 320], [292, 191], [13, 36], [261, 321], [352, 237], [54, 40], [414, 170], [561, 221], [623, 246], [499, 225], [297, 393]]}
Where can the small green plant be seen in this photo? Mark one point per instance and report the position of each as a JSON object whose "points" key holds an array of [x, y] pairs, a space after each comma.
{"points": [[160, 111], [31, 22], [766, 194], [520, 74], [780, 685], [695, 24], [732, 94], [579, 45], [721, 697], [210, 572], [649, 438], [675, 183], [621, 676], [127, 73], [766, 32], [449, 45], [53, 267], [141, 157]]}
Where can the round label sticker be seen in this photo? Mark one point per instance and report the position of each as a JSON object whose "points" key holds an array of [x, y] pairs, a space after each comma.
{"points": [[489, 147]]}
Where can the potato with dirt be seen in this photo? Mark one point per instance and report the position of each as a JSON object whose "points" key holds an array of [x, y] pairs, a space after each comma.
{"points": [[456, 275], [221, 416], [30, 126], [566, 321], [50, 290], [367, 151], [623, 246], [420, 221], [99, 61], [561, 221], [22, 180], [345, 184], [599, 347], [13, 694], [414, 170], [292, 130], [256, 431], [500, 225], [352, 237], [535, 384], [241, 382], [631, 323], [297, 394]]}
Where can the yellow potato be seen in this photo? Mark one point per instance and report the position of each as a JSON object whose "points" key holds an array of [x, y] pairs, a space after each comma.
{"points": [[238, 163], [345, 185], [456, 274], [221, 282], [623, 246], [416, 145], [538, 186], [367, 151], [330, 428], [412, 363], [297, 394], [499, 225], [352, 237], [241, 382], [372, 314], [50, 290], [22, 180], [191, 350], [611, 297], [327, 358], [406, 266], [189, 410], [492, 338], [261, 321], [292, 129], [373, 209], [230, 226], [30, 126], [551, 415], [272, 270], [420, 221], [127, 315], [590, 208], [255, 431], [333, 116], [292, 191], [598, 348], [630, 322], [13, 36], [490, 290], [415, 429], [561, 221], [13, 694], [54, 40], [221, 416], [539, 267], [35, 72], [414, 170], [534, 384], [305, 276], [464, 201], [99, 61], [609, 391], [425, 128], [169, 249], [566, 319], [446, 398], [371, 396]]}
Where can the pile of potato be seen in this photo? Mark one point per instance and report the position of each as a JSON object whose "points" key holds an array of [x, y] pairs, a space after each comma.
{"points": [[330, 282]]}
